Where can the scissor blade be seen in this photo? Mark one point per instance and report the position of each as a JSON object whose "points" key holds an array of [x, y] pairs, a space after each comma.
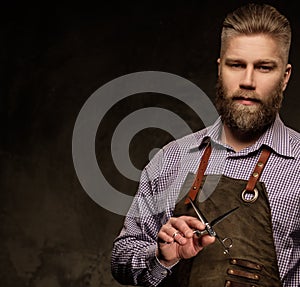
{"points": [[220, 218], [198, 212]]}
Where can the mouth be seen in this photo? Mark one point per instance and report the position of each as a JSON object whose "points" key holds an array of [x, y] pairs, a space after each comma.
{"points": [[246, 101]]}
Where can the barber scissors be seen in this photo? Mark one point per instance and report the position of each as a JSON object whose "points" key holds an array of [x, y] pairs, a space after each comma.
{"points": [[226, 242]]}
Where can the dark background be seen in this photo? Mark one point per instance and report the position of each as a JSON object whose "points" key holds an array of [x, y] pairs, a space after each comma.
{"points": [[54, 55]]}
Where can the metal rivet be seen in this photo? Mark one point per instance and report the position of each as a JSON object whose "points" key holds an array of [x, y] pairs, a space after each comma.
{"points": [[228, 284], [233, 261], [194, 187], [255, 174], [230, 271], [260, 163], [256, 277]]}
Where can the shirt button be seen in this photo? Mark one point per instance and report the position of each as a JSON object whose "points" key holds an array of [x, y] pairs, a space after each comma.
{"points": [[165, 272]]}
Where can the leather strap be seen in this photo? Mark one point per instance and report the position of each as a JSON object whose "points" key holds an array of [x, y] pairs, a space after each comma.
{"points": [[200, 173], [246, 263], [203, 165], [243, 274], [258, 170], [230, 283]]}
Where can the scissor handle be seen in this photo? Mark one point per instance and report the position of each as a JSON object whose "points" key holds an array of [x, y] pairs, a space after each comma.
{"points": [[227, 242]]}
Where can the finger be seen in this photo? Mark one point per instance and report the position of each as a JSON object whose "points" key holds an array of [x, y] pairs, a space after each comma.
{"points": [[206, 240], [173, 231], [187, 224], [181, 226], [179, 237], [168, 233], [194, 222], [175, 237]]}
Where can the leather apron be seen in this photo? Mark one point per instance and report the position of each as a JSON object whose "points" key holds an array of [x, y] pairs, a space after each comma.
{"points": [[252, 261]]}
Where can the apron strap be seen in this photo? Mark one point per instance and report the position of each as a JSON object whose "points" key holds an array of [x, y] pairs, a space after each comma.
{"points": [[198, 180], [203, 165], [254, 177]]}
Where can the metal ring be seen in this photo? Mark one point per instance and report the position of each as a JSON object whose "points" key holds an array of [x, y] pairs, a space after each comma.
{"points": [[253, 198], [175, 234], [227, 245]]}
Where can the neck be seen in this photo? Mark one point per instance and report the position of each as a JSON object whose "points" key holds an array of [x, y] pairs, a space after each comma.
{"points": [[236, 139]]}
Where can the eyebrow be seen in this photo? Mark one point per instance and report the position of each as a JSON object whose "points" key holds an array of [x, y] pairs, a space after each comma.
{"points": [[258, 62], [267, 62]]}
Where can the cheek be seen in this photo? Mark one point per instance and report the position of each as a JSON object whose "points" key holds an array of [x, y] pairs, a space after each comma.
{"points": [[265, 88], [230, 84]]}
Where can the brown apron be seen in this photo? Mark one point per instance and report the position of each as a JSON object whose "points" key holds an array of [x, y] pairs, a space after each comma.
{"points": [[252, 261]]}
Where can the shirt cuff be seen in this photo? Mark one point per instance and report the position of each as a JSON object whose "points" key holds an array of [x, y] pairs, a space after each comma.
{"points": [[156, 269]]}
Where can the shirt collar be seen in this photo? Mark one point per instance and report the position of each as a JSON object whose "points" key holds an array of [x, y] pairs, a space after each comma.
{"points": [[276, 137]]}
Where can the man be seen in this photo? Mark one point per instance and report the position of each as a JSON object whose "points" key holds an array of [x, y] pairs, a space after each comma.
{"points": [[247, 161]]}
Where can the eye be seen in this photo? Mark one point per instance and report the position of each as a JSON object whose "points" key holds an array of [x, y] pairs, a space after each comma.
{"points": [[265, 68], [236, 65]]}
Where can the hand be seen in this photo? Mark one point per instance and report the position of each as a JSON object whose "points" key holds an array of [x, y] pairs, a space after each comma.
{"points": [[176, 239]]}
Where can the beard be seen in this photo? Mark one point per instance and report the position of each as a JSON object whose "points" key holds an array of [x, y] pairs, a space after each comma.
{"points": [[247, 120]]}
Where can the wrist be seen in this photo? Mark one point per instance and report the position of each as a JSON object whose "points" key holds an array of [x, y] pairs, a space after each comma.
{"points": [[165, 261]]}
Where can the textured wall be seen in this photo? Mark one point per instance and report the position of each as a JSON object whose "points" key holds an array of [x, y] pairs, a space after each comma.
{"points": [[53, 57]]}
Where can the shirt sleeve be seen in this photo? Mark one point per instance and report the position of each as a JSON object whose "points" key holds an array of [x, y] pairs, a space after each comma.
{"points": [[133, 259]]}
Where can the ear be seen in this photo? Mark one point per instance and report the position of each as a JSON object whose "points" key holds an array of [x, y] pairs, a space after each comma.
{"points": [[219, 70], [286, 77]]}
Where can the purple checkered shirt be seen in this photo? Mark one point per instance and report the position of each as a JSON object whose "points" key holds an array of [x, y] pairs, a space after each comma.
{"points": [[133, 260]]}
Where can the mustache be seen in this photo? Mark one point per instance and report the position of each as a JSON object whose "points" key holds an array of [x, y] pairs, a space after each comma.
{"points": [[249, 96]]}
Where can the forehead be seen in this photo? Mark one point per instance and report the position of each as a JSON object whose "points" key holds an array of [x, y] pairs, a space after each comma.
{"points": [[253, 48]]}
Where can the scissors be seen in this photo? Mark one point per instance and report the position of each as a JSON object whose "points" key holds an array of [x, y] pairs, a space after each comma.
{"points": [[226, 242]]}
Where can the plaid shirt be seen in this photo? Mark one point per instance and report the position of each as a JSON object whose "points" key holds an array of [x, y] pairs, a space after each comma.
{"points": [[133, 259]]}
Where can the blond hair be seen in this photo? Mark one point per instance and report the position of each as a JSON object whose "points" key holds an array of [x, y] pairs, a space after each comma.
{"points": [[257, 19]]}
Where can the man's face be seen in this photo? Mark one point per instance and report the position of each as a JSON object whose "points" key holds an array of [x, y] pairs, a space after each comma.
{"points": [[252, 78]]}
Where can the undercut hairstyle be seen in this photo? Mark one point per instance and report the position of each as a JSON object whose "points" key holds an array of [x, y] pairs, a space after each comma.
{"points": [[254, 19]]}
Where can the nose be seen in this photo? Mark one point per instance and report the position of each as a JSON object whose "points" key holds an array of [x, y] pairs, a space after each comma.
{"points": [[247, 79]]}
